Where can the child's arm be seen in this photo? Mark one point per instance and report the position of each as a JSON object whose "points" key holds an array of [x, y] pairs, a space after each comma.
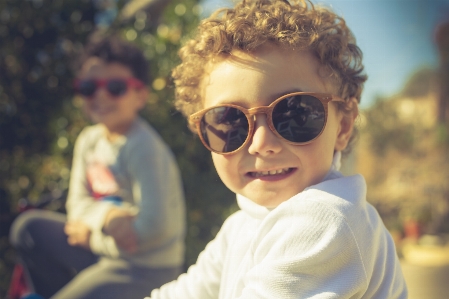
{"points": [[119, 224], [81, 206], [78, 234], [318, 245], [305, 257], [204, 279], [157, 189]]}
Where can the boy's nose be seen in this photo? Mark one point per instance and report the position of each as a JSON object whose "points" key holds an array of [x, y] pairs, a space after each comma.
{"points": [[101, 94], [263, 142]]}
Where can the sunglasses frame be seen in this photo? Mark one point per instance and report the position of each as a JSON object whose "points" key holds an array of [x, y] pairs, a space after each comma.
{"points": [[102, 83], [324, 98]]}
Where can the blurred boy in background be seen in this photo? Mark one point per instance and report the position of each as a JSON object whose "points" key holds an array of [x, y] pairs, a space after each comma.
{"points": [[123, 234]]}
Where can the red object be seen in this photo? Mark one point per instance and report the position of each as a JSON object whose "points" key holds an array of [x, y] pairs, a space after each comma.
{"points": [[412, 229], [18, 286]]}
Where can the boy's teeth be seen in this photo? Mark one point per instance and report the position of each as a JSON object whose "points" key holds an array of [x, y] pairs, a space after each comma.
{"points": [[270, 172]]}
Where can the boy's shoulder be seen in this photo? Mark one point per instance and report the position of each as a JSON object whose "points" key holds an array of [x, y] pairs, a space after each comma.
{"points": [[91, 132], [351, 187], [337, 192], [141, 132], [340, 198], [143, 139]]}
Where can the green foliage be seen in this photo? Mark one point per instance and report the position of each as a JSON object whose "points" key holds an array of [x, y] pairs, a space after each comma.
{"points": [[37, 37], [388, 125], [384, 129], [40, 119], [38, 122], [443, 135], [405, 142], [420, 83]]}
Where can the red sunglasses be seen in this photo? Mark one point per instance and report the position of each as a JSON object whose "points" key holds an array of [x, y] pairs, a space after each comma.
{"points": [[115, 86]]}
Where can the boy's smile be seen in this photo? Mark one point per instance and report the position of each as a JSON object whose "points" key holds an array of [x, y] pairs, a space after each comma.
{"points": [[270, 174], [268, 170]]}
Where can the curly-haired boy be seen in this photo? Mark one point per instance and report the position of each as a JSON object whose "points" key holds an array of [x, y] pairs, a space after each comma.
{"points": [[272, 88]]}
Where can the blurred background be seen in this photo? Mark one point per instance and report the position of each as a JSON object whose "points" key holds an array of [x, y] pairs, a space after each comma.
{"points": [[402, 150]]}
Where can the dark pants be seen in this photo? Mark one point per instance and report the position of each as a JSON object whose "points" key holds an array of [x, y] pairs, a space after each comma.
{"points": [[60, 271]]}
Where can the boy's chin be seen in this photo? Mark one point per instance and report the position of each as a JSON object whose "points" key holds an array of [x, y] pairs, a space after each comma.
{"points": [[269, 196], [272, 201]]}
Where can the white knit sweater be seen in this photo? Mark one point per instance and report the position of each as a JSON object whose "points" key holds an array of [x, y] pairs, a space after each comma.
{"points": [[326, 242]]}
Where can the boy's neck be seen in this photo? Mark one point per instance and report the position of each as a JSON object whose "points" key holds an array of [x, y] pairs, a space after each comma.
{"points": [[112, 134]]}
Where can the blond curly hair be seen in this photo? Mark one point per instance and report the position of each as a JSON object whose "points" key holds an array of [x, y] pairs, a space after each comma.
{"points": [[294, 24]]}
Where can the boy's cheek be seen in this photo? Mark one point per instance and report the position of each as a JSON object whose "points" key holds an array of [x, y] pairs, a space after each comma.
{"points": [[227, 169]]}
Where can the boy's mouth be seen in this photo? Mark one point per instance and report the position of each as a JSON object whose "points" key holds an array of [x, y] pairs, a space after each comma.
{"points": [[102, 109], [258, 174]]}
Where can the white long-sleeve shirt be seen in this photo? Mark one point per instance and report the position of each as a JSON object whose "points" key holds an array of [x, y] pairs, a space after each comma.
{"points": [[325, 242], [140, 170]]}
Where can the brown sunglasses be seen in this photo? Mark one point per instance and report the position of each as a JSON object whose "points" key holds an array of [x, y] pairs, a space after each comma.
{"points": [[298, 118]]}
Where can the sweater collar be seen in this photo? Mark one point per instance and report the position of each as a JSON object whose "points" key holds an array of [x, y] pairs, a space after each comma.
{"points": [[259, 212]]}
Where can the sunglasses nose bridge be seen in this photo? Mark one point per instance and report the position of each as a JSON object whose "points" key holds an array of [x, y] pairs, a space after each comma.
{"points": [[101, 89], [98, 84], [252, 112], [101, 83], [259, 110]]}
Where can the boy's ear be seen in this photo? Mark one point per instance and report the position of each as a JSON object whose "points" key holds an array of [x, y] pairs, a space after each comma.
{"points": [[347, 119]]}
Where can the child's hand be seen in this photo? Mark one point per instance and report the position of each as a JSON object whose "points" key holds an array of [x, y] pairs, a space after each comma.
{"points": [[119, 225], [78, 234]]}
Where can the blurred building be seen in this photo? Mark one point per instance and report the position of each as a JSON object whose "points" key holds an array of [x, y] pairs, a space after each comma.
{"points": [[403, 150], [402, 153], [442, 41]]}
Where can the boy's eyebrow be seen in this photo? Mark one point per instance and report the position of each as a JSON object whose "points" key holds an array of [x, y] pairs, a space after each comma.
{"points": [[283, 93], [273, 97]]}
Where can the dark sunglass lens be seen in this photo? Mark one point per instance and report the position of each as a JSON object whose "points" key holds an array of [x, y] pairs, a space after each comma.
{"points": [[299, 118], [87, 87], [116, 87], [224, 129]]}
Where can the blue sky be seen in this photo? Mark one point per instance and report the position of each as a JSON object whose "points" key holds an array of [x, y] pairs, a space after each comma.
{"points": [[396, 38]]}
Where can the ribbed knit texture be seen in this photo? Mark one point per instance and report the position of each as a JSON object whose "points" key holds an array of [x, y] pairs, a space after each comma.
{"points": [[326, 242]]}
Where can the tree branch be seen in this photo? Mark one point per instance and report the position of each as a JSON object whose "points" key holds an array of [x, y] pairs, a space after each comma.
{"points": [[155, 8]]}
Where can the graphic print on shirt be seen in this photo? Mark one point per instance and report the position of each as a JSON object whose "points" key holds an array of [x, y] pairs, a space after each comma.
{"points": [[101, 180], [100, 161]]}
